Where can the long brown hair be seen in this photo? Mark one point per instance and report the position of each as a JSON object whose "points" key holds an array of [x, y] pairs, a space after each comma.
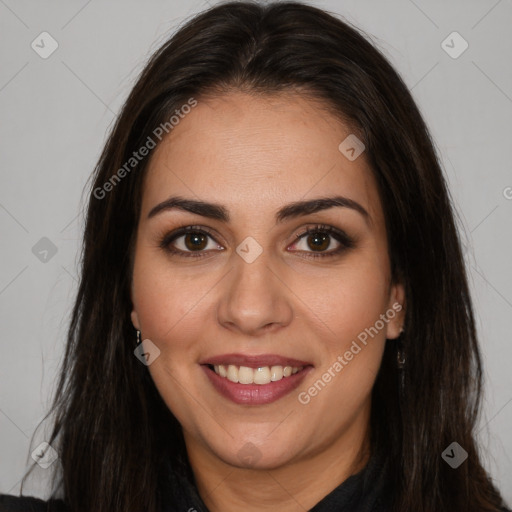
{"points": [[112, 429]]}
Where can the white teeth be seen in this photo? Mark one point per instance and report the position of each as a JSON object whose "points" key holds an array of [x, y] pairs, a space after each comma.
{"points": [[245, 375], [276, 373], [262, 375], [232, 373]]}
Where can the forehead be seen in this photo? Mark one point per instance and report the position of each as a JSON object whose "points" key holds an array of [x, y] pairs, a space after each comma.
{"points": [[253, 152]]}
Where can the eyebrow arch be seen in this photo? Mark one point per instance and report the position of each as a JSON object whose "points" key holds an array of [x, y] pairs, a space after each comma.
{"points": [[291, 210]]}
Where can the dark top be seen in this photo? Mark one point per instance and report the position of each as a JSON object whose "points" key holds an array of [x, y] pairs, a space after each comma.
{"points": [[364, 492]]}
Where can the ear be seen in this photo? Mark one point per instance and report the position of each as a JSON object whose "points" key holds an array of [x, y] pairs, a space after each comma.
{"points": [[133, 315], [135, 319], [396, 311]]}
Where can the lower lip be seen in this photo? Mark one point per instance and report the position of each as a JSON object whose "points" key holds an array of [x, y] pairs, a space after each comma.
{"points": [[255, 394]]}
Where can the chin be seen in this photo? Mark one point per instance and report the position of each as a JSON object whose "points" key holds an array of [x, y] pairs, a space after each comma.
{"points": [[248, 455]]}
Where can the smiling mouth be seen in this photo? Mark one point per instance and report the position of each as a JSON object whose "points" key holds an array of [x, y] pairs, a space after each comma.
{"points": [[261, 375]]}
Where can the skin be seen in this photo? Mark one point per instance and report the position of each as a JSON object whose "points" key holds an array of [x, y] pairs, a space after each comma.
{"points": [[254, 154]]}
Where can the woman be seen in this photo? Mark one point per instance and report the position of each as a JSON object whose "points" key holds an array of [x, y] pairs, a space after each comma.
{"points": [[273, 312]]}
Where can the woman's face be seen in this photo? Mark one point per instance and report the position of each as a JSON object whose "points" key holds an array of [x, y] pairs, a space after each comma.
{"points": [[248, 295]]}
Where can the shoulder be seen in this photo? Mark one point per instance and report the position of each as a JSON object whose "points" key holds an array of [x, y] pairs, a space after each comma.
{"points": [[30, 504]]}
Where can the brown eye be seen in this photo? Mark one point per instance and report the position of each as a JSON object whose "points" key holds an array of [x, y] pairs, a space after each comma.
{"points": [[318, 241], [323, 241], [189, 241], [195, 241]]}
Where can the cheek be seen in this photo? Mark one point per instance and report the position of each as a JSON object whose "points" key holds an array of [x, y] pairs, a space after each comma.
{"points": [[168, 307], [338, 397], [350, 307], [352, 348], [347, 301], [168, 304]]}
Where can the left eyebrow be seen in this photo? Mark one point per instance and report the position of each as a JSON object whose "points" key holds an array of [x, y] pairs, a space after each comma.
{"points": [[300, 208], [289, 211]]}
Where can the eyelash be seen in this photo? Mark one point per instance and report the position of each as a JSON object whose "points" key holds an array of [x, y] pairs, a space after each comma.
{"points": [[340, 236]]}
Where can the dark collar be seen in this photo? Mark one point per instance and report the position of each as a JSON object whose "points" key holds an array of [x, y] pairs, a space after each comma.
{"points": [[365, 491]]}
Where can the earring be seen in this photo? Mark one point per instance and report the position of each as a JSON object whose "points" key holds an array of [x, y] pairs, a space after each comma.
{"points": [[400, 363], [138, 337], [400, 353], [400, 357]]}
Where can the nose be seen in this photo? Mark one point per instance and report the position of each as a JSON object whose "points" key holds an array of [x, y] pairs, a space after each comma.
{"points": [[254, 300]]}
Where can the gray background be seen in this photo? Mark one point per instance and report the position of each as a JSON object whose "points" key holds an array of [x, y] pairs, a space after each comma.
{"points": [[56, 111]]}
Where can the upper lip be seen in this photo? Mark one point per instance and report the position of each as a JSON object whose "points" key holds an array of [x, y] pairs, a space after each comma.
{"points": [[255, 361]]}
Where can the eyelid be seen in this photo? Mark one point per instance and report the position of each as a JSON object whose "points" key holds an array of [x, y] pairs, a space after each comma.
{"points": [[166, 239], [345, 241], [339, 234]]}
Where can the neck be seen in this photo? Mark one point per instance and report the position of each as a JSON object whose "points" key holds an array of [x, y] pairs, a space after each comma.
{"points": [[292, 487]]}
